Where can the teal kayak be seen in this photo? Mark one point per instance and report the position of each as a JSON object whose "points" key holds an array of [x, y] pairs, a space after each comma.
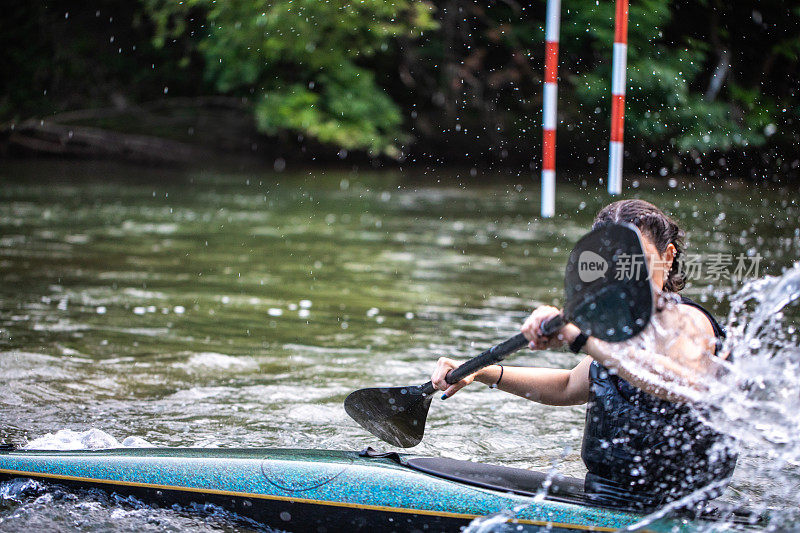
{"points": [[326, 490]]}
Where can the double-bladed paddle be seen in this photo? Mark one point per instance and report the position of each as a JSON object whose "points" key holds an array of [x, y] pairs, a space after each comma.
{"points": [[607, 295]]}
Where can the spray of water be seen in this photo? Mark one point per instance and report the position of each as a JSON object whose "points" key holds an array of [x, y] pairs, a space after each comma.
{"points": [[753, 396], [757, 401], [92, 439]]}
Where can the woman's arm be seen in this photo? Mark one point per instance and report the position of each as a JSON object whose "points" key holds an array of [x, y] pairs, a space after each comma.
{"points": [[671, 358], [672, 361], [549, 386]]}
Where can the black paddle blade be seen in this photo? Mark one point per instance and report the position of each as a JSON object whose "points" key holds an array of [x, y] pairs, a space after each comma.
{"points": [[607, 285], [395, 415]]}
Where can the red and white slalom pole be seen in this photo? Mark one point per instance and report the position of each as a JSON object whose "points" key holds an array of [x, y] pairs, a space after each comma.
{"points": [[618, 80], [550, 98]]}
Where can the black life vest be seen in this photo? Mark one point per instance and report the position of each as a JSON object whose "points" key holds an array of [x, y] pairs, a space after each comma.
{"points": [[642, 451]]}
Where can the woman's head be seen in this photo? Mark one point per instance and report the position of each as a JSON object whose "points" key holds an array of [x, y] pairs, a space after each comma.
{"points": [[660, 233]]}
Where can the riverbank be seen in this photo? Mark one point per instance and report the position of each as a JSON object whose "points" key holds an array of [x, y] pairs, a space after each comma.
{"points": [[186, 132]]}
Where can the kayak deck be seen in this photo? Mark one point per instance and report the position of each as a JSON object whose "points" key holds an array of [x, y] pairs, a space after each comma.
{"points": [[307, 490]]}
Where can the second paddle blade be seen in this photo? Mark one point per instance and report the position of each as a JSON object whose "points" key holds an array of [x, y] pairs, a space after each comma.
{"points": [[393, 414]]}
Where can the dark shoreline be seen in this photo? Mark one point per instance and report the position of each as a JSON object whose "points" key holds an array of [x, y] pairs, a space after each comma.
{"points": [[72, 170]]}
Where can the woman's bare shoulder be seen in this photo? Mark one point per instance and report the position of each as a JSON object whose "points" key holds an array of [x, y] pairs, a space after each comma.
{"points": [[693, 316]]}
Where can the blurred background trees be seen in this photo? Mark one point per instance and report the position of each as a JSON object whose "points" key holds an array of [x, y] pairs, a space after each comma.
{"points": [[713, 85]]}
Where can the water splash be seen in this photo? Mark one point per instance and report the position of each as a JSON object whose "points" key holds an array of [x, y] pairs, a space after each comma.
{"points": [[755, 400], [15, 489], [758, 400], [688, 501], [93, 439], [756, 397]]}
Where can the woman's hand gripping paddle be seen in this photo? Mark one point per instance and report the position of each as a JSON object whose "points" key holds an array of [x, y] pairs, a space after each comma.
{"points": [[608, 296]]}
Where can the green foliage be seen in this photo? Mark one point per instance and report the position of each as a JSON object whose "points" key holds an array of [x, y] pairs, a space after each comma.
{"points": [[465, 77], [301, 61], [663, 103]]}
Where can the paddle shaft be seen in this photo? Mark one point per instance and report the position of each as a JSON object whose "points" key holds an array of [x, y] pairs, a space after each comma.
{"points": [[553, 325], [608, 308], [495, 354]]}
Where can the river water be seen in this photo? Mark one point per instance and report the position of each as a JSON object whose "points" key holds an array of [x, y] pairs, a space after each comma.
{"points": [[239, 306]]}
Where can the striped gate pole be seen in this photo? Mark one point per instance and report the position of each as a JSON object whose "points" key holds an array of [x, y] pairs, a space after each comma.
{"points": [[549, 100], [618, 80]]}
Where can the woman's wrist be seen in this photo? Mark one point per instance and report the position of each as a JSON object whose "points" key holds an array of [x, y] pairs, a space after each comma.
{"points": [[488, 375], [569, 333]]}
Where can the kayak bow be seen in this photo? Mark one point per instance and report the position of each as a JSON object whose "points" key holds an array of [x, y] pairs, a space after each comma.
{"points": [[324, 490]]}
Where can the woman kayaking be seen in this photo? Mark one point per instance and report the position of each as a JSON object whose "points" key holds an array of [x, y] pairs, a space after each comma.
{"points": [[643, 445]]}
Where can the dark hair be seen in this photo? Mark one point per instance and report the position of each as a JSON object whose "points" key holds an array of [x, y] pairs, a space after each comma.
{"points": [[660, 228]]}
